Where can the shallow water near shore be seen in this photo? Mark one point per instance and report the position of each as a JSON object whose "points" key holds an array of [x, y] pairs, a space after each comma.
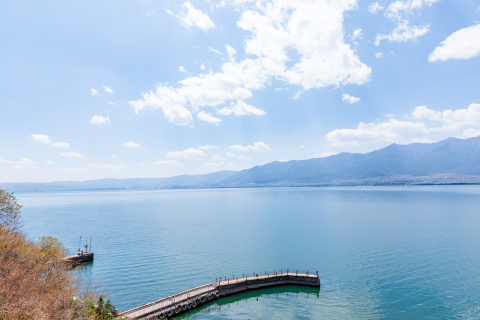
{"points": [[381, 252]]}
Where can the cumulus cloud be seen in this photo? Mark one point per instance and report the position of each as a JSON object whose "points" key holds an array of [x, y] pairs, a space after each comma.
{"points": [[452, 120], [202, 67], [41, 138], [240, 108], [108, 89], [169, 163], [391, 131], [100, 120], [462, 44], [314, 29], [366, 133], [208, 147], [470, 133], [379, 55], [182, 69], [257, 147], [61, 145], [72, 155], [422, 112], [349, 99], [186, 154], [374, 7], [169, 100], [203, 116], [94, 92], [190, 17], [217, 157], [131, 144], [399, 11]]}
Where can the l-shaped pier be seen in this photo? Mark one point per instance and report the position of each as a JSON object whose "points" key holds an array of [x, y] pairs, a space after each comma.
{"points": [[184, 301]]}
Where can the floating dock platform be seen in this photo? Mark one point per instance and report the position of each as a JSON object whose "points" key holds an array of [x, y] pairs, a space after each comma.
{"points": [[190, 299]]}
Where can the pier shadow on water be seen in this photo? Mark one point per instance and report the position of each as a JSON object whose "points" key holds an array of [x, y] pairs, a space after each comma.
{"points": [[255, 304]]}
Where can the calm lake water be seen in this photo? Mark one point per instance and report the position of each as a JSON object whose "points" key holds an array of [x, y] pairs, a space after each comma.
{"points": [[381, 252]]}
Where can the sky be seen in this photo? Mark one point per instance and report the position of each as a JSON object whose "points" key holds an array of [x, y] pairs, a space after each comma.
{"points": [[127, 89]]}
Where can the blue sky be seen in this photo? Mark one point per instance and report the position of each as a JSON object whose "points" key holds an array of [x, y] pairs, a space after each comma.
{"points": [[96, 89]]}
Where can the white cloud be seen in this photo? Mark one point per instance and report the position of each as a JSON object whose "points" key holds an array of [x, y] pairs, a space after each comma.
{"points": [[374, 7], [190, 17], [100, 120], [72, 155], [214, 50], [61, 145], [399, 11], [101, 166], [217, 157], [403, 33], [379, 55], [301, 146], [422, 112], [314, 29], [110, 102], [230, 154], [240, 108], [202, 115], [186, 154], [231, 52], [390, 115], [202, 67], [365, 133], [208, 147], [108, 89], [131, 144], [182, 69], [244, 158], [357, 33], [462, 44], [41, 138], [454, 120], [470, 133], [257, 147], [94, 92], [169, 163], [297, 94], [324, 154], [171, 102], [50, 163], [349, 99]]}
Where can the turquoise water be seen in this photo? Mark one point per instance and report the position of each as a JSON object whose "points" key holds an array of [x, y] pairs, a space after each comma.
{"points": [[381, 252]]}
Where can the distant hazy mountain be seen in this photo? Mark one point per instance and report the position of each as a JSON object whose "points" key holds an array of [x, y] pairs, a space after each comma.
{"points": [[448, 161], [126, 184], [450, 156]]}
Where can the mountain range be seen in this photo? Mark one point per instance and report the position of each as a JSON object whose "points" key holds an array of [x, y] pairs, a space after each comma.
{"points": [[449, 161]]}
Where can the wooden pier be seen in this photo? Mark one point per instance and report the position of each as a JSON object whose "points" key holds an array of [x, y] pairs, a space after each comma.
{"points": [[187, 300]]}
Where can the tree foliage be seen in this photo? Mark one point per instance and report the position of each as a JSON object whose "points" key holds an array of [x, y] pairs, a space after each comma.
{"points": [[34, 280], [9, 210]]}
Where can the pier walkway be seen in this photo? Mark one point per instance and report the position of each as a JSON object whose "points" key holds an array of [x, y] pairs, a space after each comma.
{"points": [[184, 301]]}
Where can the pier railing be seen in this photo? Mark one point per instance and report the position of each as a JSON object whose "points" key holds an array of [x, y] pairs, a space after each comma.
{"points": [[170, 300], [265, 274]]}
